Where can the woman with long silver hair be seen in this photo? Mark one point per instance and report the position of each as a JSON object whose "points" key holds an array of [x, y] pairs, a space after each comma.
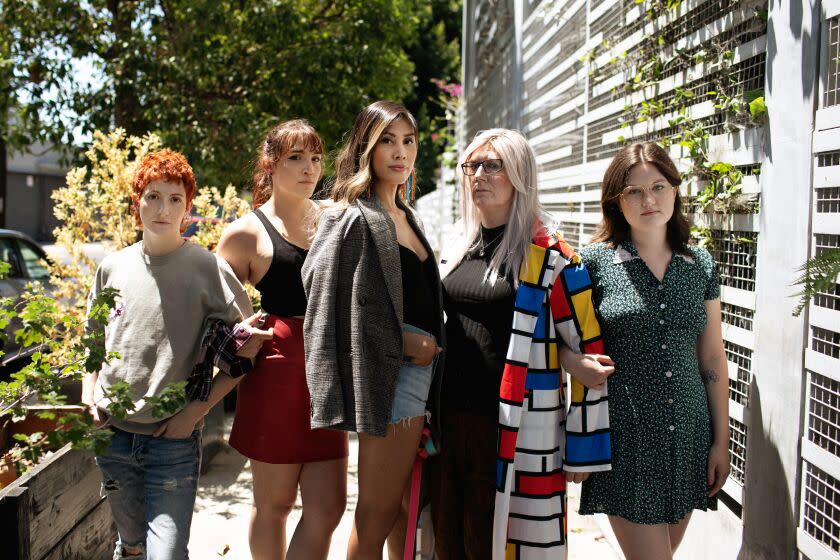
{"points": [[518, 305]]}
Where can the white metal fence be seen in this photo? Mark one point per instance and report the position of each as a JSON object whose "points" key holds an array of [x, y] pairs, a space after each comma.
{"points": [[573, 108], [819, 528]]}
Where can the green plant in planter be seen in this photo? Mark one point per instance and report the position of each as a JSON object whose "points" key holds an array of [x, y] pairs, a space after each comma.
{"points": [[44, 324], [702, 235], [92, 207], [723, 188]]}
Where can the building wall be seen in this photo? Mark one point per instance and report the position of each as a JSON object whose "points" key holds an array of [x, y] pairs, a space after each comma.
{"points": [[29, 206], [32, 176], [571, 102]]}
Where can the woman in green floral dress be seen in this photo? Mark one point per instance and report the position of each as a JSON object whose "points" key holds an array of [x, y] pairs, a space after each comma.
{"points": [[658, 301]]}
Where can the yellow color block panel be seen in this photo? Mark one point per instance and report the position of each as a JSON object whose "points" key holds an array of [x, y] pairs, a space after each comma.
{"points": [[553, 357], [577, 390], [534, 260], [510, 552], [585, 314]]}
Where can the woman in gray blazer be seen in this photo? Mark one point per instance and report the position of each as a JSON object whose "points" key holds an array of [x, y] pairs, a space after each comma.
{"points": [[374, 324]]}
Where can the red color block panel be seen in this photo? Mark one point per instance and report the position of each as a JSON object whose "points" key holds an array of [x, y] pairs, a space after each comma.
{"points": [[565, 249], [594, 347], [507, 444], [559, 302], [513, 383], [541, 485]]}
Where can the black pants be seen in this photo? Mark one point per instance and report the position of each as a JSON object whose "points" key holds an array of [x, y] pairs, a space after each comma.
{"points": [[463, 487]]}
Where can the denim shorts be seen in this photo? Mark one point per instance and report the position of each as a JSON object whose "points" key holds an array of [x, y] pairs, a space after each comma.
{"points": [[412, 388]]}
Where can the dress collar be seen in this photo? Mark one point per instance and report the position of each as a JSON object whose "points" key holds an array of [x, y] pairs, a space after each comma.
{"points": [[626, 251]]}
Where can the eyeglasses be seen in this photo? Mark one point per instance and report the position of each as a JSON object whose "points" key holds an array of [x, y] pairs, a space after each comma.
{"points": [[490, 166], [636, 194]]}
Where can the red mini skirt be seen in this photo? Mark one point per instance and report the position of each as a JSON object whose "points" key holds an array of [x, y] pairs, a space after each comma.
{"points": [[272, 406]]}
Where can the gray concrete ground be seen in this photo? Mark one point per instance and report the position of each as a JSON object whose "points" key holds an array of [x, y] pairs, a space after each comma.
{"points": [[220, 522]]}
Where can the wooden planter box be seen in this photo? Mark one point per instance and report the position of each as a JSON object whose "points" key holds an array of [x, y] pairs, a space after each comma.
{"points": [[54, 512]]}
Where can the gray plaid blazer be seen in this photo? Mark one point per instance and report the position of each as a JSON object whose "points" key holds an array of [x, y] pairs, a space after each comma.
{"points": [[354, 317]]}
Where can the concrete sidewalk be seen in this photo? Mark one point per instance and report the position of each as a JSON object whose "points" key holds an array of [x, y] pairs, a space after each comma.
{"points": [[220, 522]]}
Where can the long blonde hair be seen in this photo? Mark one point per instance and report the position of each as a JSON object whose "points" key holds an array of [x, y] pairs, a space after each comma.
{"points": [[526, 212], [354, 165]]}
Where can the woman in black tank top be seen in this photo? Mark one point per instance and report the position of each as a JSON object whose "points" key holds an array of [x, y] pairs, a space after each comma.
{"points": [[267, 248]]}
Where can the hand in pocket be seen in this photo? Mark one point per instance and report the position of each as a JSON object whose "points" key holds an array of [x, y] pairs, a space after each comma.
{"points": [[421, 349]]}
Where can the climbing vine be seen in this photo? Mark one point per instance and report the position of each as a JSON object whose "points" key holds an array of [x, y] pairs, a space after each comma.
{"points": [[716, 184]]}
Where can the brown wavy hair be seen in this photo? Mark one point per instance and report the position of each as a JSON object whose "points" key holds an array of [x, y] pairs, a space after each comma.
{"points": [[354, 164], [614, 228], [163, 165], [277, 143]]}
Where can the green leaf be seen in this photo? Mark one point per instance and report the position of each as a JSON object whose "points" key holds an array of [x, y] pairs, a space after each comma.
{"points": [[169, 401], [817, 274], [758, 108]]}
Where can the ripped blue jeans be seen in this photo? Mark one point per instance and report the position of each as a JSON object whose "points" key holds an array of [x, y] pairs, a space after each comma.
{"points": [[151, 483]]}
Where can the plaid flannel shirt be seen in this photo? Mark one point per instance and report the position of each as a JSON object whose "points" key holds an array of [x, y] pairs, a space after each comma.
{"points": [[218, 349]]}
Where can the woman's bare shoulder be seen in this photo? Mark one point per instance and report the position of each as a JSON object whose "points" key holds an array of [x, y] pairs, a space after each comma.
{"points": [[242, 232]]}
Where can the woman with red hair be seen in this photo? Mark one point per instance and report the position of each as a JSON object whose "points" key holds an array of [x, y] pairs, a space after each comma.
{"points": [[168, 288]]}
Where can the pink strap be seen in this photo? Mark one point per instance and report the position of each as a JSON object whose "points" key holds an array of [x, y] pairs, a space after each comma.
{"points": [[414, 502], [423, 451]]}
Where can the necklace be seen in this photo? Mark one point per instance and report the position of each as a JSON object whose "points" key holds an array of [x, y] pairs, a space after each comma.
{"points": [[485, 245]]}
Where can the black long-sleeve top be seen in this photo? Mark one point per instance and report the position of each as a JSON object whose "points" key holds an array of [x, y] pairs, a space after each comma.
{"points": [[478, 326]]}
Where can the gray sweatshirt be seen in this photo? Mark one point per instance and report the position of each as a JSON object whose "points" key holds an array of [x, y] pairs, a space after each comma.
{"points": [[157, 323]]}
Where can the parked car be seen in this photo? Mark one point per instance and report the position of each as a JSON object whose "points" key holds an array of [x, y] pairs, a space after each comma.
{"points": [[28, 264]]}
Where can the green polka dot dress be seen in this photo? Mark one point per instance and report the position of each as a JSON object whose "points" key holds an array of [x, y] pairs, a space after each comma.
{"points": [[659, 413]]}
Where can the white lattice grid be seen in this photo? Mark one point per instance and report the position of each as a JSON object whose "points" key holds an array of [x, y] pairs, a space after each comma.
{"points": [[739, 387], [823, 421], [825, 341], [737, 316], [828, 199], [700, 23], [735, 253], [737, 451], [829, 299], [821, 507], [832, 90], [828, 159], [490, 62], [825, 241]]}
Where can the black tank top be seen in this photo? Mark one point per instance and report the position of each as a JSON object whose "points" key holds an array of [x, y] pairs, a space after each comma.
{"points": [[420, 304], [281, 289]]}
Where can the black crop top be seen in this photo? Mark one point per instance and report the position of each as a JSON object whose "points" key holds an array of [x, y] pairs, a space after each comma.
{"points": [[281, 289], [420, 306]]}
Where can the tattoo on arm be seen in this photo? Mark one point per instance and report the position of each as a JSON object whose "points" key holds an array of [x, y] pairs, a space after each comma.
{"points": [[709, 376]]}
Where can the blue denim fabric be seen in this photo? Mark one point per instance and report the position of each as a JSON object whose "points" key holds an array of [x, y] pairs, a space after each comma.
{"points": [[151, 483], [412, 387]]}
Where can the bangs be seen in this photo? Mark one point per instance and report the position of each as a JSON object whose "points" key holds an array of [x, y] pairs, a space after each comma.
{"points": [[305, 138]]}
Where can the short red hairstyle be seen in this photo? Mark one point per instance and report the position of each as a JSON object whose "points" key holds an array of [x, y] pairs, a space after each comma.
{"points": [[163, 165]]}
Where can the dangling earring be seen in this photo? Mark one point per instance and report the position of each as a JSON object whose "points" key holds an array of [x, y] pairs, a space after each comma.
{"points": [[408, 188]]}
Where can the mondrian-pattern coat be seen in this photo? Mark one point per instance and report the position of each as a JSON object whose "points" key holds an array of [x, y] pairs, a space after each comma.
{"points": [[537, 438]]}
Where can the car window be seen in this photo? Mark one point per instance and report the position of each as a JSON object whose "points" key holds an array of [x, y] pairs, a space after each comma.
{"points": [[9, 255], [33, 261]]}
